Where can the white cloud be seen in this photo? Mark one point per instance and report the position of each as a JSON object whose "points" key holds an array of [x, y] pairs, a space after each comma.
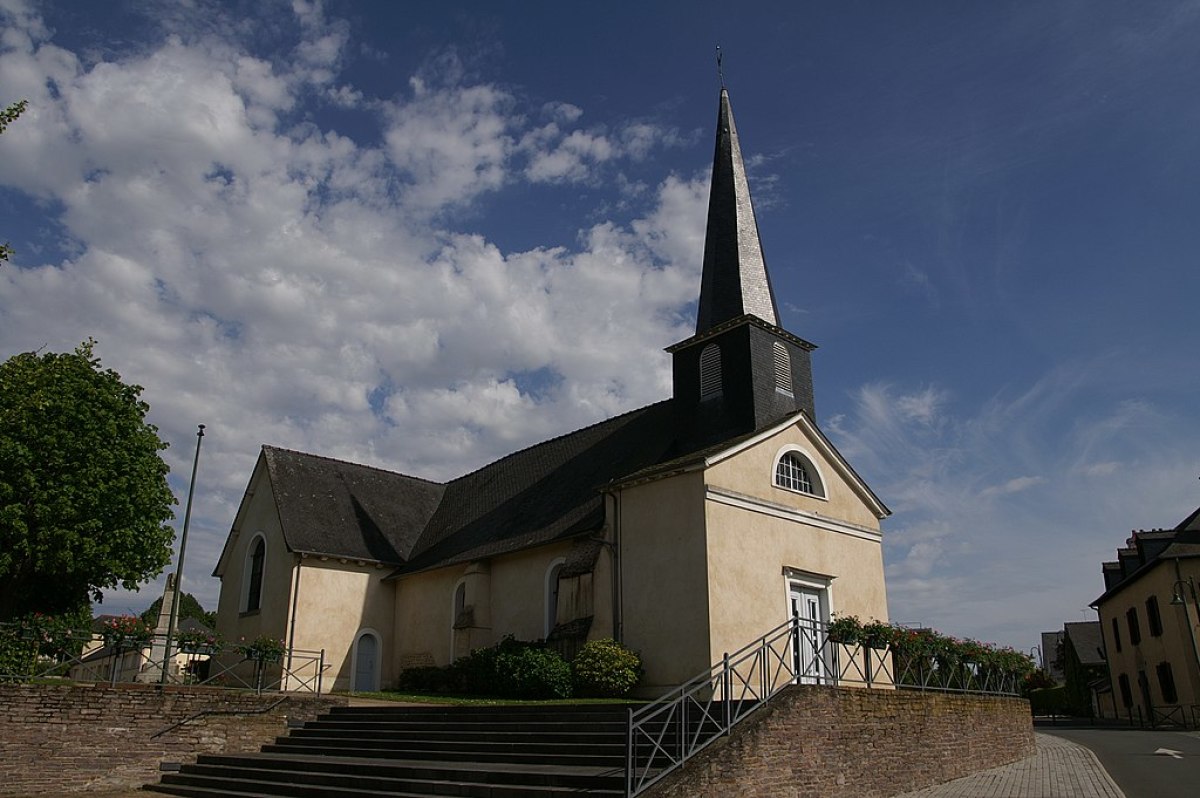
{"points": [[281, 283], [1014, 485], [959, 555]]}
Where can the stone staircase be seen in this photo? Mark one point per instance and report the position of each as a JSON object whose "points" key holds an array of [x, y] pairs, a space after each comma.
{"points": [[427, 751]]}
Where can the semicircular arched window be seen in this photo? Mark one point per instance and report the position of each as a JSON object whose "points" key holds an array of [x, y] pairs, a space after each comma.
{"points": [[794, 472]]}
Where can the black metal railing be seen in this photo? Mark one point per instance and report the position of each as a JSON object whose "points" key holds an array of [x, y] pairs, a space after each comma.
{"points": [[665, 733]]}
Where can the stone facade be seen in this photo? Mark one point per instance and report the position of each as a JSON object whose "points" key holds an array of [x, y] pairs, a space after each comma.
{"points": [[828, 742], [61, 739]]}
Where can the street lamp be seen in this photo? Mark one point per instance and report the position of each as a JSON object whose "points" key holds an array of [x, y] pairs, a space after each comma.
{"points": [[1178, 598]]}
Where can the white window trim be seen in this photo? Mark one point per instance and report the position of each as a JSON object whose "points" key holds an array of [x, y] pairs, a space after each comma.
{"points": [[817, 472], [775, 510], [247, 565], [366, 630], [546, 620]]}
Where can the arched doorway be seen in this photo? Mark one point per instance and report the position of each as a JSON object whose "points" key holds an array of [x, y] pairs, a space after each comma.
{"points": [[366, 663]]}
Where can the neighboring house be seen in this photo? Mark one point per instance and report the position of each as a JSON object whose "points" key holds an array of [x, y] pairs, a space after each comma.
{"points": [[1149, 617], [97, 660], [1084, 666], [1051, 663], [683, 529]]}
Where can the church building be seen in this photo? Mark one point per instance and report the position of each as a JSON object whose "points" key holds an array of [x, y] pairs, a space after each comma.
{"points": [[683, 529]]}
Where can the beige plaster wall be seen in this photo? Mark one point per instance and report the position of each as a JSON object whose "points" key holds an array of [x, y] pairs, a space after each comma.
{"points": [[602, 595], [519, 591], [1174, 645], [510, 600], [664, 578], [751, 546], [258, 515], [336, 601], [752, 470], [423, 617], [748, 555]]}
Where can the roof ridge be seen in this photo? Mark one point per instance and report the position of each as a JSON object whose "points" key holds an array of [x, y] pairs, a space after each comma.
{"points": [[266, 446], [568, 434]]}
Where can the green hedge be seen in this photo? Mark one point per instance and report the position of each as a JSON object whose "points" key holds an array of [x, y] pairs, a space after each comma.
{"points": [[1048, 701], [518, 669]]}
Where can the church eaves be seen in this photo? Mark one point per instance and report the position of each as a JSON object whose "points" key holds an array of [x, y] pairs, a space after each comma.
{"points": [[735, 280]]}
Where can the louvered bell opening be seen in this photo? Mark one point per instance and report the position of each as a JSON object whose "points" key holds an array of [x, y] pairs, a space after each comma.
{"points": [[710, 372], [783, 369]]}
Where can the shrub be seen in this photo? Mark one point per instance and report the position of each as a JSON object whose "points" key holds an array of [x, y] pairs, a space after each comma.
{"points": [[426, 679], [606, 669], [532, 672], [1048, 701]]}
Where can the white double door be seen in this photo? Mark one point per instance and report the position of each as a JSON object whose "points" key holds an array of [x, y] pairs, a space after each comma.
{"points": [[810, 607]]}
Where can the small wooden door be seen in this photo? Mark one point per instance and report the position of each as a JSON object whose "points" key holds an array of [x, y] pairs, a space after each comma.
{"points": [[366, 664]]}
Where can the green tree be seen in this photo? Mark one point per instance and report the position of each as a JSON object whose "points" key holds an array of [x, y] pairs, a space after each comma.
{"points": [[84, 500], [189, 607], [7, 117]]}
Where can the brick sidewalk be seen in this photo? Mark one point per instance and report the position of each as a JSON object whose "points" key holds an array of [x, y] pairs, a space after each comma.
{"points": [[1060, 769]]}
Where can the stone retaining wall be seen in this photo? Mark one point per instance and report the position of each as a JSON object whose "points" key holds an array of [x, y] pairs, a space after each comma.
{"points": [[830, 742], [66, 738]]}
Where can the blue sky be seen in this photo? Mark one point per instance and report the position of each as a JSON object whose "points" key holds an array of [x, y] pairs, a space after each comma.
{"points": [[423, 235]]}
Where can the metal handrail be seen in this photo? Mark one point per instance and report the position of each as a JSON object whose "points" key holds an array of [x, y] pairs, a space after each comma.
{"points": [[207, 712], [665, 733]]}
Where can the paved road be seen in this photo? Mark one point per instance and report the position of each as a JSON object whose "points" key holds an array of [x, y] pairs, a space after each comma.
{"points": [[1128, 756]]}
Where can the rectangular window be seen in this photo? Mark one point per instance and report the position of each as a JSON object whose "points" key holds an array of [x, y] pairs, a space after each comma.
{"points": [[1116, 634], [1153, 619], [1166, 682], [1126, 693], [1135, 631]]}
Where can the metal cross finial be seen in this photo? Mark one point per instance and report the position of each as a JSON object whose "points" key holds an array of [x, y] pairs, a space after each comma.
{"points": [[720, 72]]}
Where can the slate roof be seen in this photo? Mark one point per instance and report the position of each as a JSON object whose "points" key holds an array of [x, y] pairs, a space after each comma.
{"points": [[342, 509], [1144, 550], [547, 492], [1087, 641]]}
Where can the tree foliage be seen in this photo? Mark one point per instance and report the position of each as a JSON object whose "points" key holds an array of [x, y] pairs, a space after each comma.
{"points": [[189, 607], [84, 500], [7, 117]]}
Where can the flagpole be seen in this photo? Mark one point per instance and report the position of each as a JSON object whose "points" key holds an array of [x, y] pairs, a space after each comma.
{"points": [[187, 517]]}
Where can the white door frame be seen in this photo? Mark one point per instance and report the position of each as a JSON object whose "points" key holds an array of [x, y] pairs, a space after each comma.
{"points": [[817, 591]]}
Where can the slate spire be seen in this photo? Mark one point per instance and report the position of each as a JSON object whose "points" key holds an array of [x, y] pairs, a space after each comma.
{"points": [[735, 280]]}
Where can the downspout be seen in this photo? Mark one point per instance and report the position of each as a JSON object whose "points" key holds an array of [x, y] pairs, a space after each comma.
{"points": [[295, 600], [618, 582]]}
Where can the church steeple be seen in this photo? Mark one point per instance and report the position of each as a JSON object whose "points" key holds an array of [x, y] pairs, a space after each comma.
{"points": [[735, 280], [741, 371]]}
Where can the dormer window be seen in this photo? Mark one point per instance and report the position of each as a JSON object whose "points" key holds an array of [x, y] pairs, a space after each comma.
{"points": [[710, 372], [794, 471]]}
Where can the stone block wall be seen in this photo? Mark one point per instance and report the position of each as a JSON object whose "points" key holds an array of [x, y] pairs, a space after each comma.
{"points": [[829, 742], [57, 739]]}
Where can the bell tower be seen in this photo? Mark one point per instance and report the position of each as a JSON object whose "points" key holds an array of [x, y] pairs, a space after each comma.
{"points": [[741, 371]]}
